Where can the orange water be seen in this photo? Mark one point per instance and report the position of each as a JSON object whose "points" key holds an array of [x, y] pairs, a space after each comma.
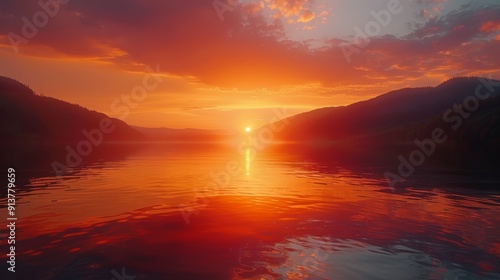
{"points": [[159, 214]]}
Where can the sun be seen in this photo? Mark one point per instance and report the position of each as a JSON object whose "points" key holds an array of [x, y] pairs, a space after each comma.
{"points": [[248, 129]]}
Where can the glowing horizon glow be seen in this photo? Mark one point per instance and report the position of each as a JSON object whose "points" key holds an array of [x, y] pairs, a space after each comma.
{"points": [[302, 55], [248, 129]]}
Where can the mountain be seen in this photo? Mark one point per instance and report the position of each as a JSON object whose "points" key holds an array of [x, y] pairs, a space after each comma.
{"points": [[396, 119], [182, 135], [28, 118]]}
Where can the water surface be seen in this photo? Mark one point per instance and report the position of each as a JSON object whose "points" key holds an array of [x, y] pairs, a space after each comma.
{"points": [[181, 213]]}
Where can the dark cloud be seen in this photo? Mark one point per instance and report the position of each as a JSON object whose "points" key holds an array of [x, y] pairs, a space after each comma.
{"points": [[187, 38], [456, 40]]}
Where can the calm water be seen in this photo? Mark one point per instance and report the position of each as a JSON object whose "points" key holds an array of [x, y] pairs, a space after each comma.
{"points": [[174, 213]]}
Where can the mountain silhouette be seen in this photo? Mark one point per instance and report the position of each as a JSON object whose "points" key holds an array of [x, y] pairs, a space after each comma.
{"points": [[182, 135], [389, 122], [392, 122], [27, 118]]}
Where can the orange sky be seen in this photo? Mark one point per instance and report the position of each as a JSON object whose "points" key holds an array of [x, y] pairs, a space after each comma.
{"points": [[228, 65]]}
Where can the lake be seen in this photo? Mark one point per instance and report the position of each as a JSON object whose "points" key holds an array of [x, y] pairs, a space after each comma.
{"points": [[177, 212]]}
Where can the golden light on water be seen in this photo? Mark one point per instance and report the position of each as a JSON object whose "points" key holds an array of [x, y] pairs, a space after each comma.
{"points": [[247, 161]]}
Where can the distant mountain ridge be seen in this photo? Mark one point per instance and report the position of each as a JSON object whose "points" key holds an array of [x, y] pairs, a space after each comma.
{"points": [[182, 135], [388, 125], [26, 117], [408, 106], [395, 118]]}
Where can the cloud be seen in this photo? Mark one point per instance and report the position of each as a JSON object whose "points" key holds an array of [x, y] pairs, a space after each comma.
{"points": [[457, 41], [432, 8], [246, 50], [491, 26], [288, 7], [306, 16]]}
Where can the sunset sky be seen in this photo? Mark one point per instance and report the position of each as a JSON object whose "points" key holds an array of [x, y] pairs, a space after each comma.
{"points": [[226, 64]]}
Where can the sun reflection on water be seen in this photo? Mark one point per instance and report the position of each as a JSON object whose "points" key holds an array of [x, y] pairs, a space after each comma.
{"points": [[247, 161]]}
